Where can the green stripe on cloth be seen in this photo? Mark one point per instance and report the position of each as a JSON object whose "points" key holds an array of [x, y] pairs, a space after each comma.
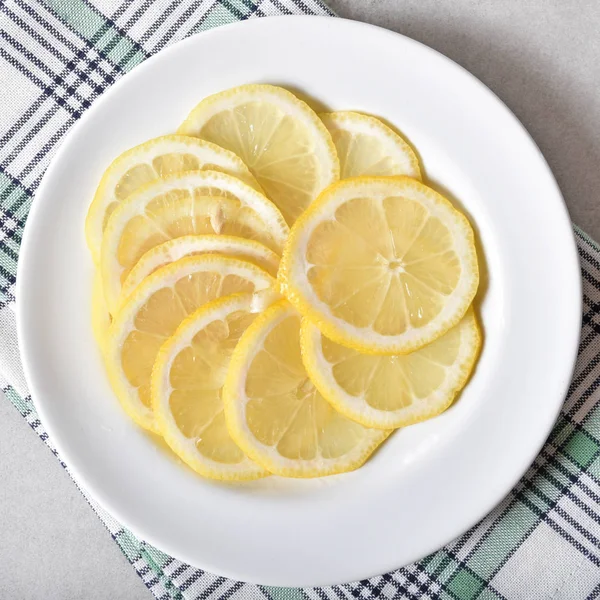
{"points": [[23, 405], [284, 593], [219, 15], [464, 584], [91, 25], [14, 199], [542, 541], [506, 535]]}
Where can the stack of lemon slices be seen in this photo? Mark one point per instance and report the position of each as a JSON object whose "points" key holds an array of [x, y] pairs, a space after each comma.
{"points": [[277, 290]]}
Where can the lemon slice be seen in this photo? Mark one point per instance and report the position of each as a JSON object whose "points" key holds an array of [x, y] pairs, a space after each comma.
{"points": [[197, 202], [276, 415], [383, 265], [155, 310], [366, 146], [155, 159], [281, 139], [392, 391], [189, 245], [187, 380]]}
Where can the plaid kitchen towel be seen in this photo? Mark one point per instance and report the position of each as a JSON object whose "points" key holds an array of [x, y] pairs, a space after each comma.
{"points": [[541, 542]]}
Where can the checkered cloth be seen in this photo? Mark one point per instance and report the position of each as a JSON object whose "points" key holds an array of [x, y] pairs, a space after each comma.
{"points": [[542, 541]]}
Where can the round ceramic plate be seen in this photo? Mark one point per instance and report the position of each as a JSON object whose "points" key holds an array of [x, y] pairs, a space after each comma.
{"points": [[428, 483]]}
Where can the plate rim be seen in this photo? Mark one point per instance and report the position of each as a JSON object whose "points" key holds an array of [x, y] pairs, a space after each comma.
{"points": [[27, 249]]}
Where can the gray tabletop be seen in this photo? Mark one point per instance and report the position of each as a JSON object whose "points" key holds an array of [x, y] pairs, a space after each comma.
{"points": [[540, 56]]}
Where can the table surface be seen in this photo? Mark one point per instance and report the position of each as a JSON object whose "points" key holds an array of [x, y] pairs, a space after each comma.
{"points": [[540, 57]]}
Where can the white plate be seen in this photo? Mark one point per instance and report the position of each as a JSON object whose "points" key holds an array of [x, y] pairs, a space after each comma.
{"points": [[429, 483]]}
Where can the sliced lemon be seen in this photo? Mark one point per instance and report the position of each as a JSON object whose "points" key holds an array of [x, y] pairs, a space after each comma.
{"points": [[155, 310], [366, 146], [190, 245], [100, 314], [277, 416], [187, 380], [196, 202], [155, 159], [392, 391], [381, 264], [281, 139]]}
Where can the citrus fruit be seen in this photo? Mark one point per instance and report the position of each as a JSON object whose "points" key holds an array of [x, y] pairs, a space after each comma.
{"points": [[190, 245], [155, 159], [187, 380], [392, 391], [281, 139], [381, 264], [366, 146], [155, 310], [277, 416], [196, 202]]}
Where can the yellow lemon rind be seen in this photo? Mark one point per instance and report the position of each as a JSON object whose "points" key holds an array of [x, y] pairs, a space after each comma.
{"points": [[100, 317]]}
